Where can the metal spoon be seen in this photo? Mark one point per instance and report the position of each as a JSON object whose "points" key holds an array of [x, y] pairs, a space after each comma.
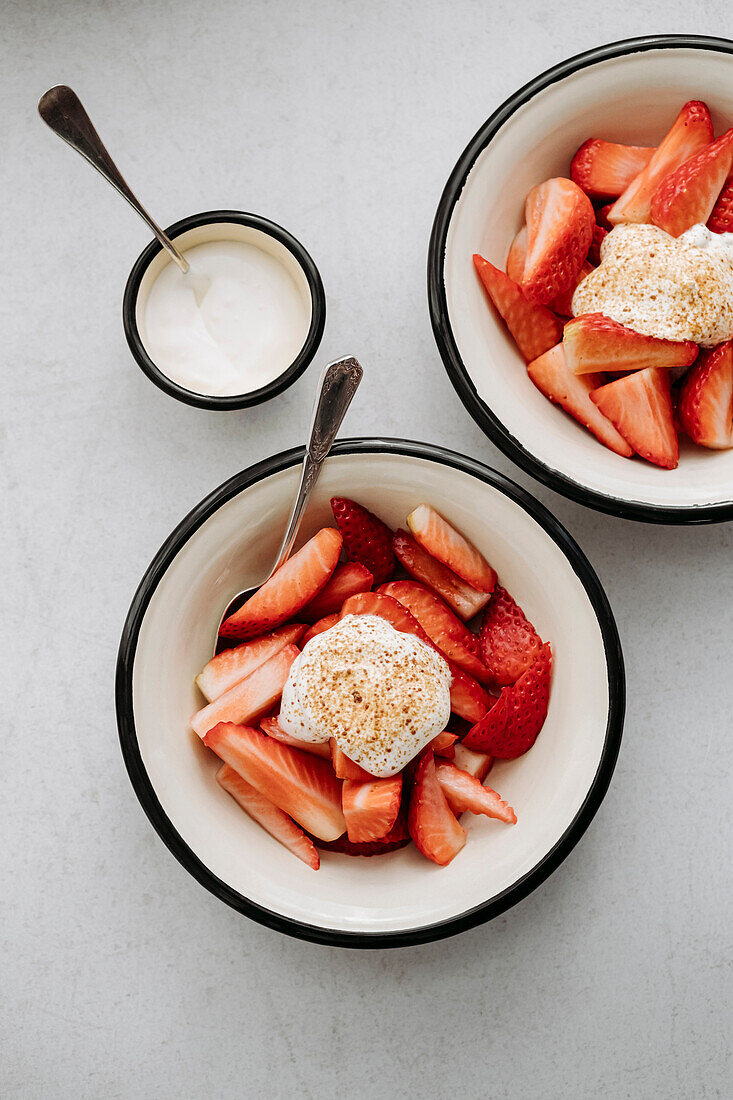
{"points": [[336, 388], [62, 110]]}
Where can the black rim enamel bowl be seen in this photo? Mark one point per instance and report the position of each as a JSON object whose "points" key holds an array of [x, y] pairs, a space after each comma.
{"points": [[400, 898], [257, 229], [531, 137]]}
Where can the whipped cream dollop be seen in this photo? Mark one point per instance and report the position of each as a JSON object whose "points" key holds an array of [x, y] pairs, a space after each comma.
{"points": [[674, 288], [381, 694]]}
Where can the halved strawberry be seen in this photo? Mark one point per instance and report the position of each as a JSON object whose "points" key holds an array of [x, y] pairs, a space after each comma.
{"points": [[563, 304], [594, 343], [706, 399], [318, 628], [517, 256], [432, 823], [443, 744], [295, 584], [465, 793], [397, 837], [371, 808], [302, 785], [346, 768], [515, 270], [250, 698], [533, 327], [452, 637], [560, 221], [594, 253], [551, 374], [269, 816], [692, 130], [273, 729], [477, 764], [367, 539], [640, 407], [721, 219], [467, 698], [687, 196], [604, 169], [232, 665], [441, 540], [465, 600], [346, 580], [509, 642], [511, 726]]}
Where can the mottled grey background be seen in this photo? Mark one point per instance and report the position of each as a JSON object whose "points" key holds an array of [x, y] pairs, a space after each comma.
{"points": [[120, 976]]}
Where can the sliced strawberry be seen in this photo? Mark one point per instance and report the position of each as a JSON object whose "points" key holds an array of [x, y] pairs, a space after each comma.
{"points": [[371, 808], [563, 304], [687, 196], [602, 221], [533, 327], [346, 768], [604, 169], [477, 764], [721, 219], [706, 399], [464, 793], [594, 254], [692, 130], [509, 642], [295, 584], [511, 726], [447, 545], [432, 823], [640, 407], [250, 698], [366, 539], [594, 343], [346, 580], [465, 600], [397, 837], [232, 665], [273, 729], [560, 221], [320, 626], [302, 785], [444, 744], [467, 698], [517, 256], [551, 374], [269, 816], [452, 637]]}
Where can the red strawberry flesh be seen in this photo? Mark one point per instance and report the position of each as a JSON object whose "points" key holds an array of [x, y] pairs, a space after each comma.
{"points": [[593, 343], [367, 539], [250, 698], [560, 221], [465, 600], [433, 825], [511, 726], [640, 408], [269, 816], [533, 327], [509, 642], [604, 169]]}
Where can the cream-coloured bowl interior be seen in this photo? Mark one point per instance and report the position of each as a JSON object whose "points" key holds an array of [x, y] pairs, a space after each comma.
{"points": [[630, 99], [399, 891]]}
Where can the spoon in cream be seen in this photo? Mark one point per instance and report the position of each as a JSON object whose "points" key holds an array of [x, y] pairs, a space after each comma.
{"points": [[62, 110]]}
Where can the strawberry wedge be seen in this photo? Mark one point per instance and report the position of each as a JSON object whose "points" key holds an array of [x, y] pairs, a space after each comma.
{"points": [[706, 399], [465, 793], [301, 785], [250, 698], [347, 580], [477, 764], [560, 222], [687, 196], [552, 376], [367, 539], [269, 816], [319, 627], [604, 169], [517, 256], [232, 665], [467, 698], [433, 825], [511, 726], [273, 729], [448, 546], [509, 642], [640, 407], [692, 130], [721, 219], [593, 343], [465, 600], [533, 327], [345, 768], [371, 808], [294, 585]]}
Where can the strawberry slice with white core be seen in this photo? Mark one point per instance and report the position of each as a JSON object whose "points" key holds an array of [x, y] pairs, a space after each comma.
{"points": [[692, 130], [706, 399], [533, 327], [232, 665], [452, 637], [640, 407], [371, 808], [320, 626], [443, 542], [604, 169], [552, 376], [347, 579], [269, 816], [511, 726], [721, 219], [560, 222], [594, 343], [295, 584], [272, 728], [687, 196], [477, 764], [517, 257], [345, 768], [463, 598], [464, 794], [250, 698], [303, 786], [433, 825]]}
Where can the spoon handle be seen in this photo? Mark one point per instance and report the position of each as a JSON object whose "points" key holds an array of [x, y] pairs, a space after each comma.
{"points": [[338, 384], [62, 110]]}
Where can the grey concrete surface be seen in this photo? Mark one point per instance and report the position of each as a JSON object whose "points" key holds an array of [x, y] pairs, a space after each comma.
{"points": [[120, 976]]}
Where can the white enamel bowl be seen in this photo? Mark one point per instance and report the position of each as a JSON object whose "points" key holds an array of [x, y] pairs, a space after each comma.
{"points": [[398, 898], [628, 92]]}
